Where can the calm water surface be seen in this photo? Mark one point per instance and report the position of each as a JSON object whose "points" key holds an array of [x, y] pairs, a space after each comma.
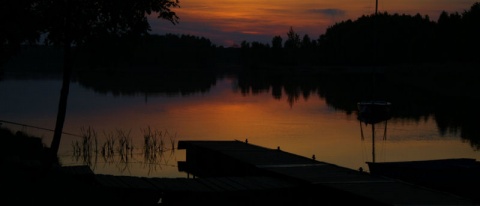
{"points": [[308, 127]]}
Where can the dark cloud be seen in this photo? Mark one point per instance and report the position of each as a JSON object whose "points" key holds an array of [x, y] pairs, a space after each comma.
{"points": [[277, 11], [328, 12]]}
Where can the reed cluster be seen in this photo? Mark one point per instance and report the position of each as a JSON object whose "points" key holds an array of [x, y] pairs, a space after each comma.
{"points": [[118, 147]]}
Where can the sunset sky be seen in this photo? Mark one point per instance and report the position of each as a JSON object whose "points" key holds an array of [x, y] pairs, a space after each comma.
{"points": [[229, 22]]}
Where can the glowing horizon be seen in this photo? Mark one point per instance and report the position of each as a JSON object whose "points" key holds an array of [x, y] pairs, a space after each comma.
{"points": [[230, 22]]}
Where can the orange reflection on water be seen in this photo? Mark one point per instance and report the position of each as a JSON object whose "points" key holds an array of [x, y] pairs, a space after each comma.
{"points": [[309, 127]]}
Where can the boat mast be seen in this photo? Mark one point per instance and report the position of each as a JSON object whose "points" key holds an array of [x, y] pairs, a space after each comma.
{"points": [[375, 47], [373, 95], [373, 142]]}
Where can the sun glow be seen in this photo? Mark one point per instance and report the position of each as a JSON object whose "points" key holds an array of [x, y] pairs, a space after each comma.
{"points": [[261, 20]]}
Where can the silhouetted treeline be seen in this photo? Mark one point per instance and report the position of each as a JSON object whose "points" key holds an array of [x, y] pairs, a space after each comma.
{"points": [[149, 52], [169, 83], [146, 53], [371, 40], [383, 39]]}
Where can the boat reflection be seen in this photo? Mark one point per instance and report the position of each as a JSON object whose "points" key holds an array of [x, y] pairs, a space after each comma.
{"points": [[372, 113]]}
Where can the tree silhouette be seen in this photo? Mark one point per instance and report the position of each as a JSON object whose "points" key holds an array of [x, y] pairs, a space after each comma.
{"points": [[293, 39], [81, 21], [306, 42], [14, 13], [72, 24], [277, 42], [471, 19]]}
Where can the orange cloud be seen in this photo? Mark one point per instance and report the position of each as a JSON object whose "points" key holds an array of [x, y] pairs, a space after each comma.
{"points": [[229, 20]]}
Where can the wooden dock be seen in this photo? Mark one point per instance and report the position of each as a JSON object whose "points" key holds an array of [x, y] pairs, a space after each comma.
{"points": [[240, 173], [238, 158]]}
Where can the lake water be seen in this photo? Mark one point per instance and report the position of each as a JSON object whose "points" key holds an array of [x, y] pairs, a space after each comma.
{"points": [[223, 111]]}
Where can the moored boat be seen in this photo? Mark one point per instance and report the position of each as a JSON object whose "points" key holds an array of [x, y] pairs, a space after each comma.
{"points": [[454, 175]]}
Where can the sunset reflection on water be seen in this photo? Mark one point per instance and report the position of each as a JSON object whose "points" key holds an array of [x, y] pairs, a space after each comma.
{"points": [[308, 127]]}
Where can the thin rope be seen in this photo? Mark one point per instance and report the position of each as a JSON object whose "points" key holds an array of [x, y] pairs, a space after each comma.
{"points": [[31, 126]]}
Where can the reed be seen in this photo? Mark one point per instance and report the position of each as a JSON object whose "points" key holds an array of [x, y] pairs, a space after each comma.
{"points": [[108, 147], [155, 146], [150, 144], [118, 147], [125, 148], [172, 143], [88, 145]]}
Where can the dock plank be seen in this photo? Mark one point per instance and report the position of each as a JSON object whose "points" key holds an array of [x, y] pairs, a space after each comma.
{"points": [[248, 183], [169, 184], [219, 183], [136, 182], [193, 185], [110, 181], [212, 186], [272, 183]]}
